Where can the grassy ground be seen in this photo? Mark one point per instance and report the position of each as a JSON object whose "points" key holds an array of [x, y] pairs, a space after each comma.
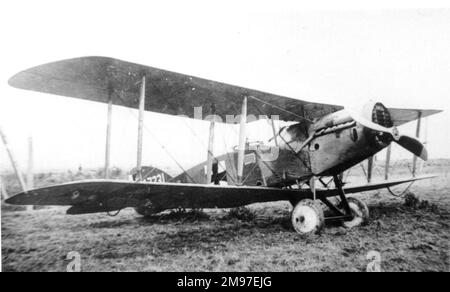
{"points": [[409, 237]]}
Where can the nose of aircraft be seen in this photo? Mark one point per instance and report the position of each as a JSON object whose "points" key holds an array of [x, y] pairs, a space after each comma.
{"points": [[382, 126]]}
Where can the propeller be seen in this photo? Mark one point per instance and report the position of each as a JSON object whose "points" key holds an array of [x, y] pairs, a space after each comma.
{"points": [[409, 143]]}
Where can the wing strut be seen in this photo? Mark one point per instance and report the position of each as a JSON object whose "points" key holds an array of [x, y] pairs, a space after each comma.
{"points": [[140, 138], [30, 175], [424, 139], [108, 137], [272, 123], [4, 194], [417, 136], [242, 134], [13, 161], [210, 156], [388, 161]]}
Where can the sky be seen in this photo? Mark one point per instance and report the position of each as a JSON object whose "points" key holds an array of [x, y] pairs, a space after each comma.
{"points": [[397, 54]]}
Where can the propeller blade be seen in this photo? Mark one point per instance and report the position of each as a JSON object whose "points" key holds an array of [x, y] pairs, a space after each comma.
{"points": [[414, 146], [368, 124]]}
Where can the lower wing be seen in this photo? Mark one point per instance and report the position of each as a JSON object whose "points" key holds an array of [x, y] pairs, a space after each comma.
{"points": [[108, 195], [371, 186]]}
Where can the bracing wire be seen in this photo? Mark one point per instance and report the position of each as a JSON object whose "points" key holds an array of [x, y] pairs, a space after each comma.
{"points": [[160, 144], [403, 193], [202, 143], [288, 144], [394, 166]]}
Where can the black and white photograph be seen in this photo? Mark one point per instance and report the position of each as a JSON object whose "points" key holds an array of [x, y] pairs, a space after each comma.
{"points": [[225, 136]]}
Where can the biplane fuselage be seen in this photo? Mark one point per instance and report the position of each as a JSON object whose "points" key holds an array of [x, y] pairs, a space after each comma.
{"points": [[323, 140], [341, 144]]}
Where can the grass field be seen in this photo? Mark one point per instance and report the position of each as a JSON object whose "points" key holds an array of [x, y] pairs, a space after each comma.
{"points": [[411, 236]]}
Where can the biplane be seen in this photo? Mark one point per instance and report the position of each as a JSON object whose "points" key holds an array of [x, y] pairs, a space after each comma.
{"points": [[321, 140]]}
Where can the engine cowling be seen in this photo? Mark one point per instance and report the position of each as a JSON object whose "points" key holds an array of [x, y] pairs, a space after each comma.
{"points": [[377, 113], [347, 137], [377, 121]]}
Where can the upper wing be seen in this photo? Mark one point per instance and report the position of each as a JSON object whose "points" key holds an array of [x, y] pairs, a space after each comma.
{"points": [[401, 116], [99, 78]]}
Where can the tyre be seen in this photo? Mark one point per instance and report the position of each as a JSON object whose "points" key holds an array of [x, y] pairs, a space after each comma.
{"points": [[307, 217], [360, 213]]}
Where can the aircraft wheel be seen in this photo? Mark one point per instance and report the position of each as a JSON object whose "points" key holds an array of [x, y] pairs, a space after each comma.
{"points": [[307, 217], [360, 213]]}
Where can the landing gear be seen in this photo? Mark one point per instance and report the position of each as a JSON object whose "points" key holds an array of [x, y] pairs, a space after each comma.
{"points": [[360, 213], [307, 217], [351, 211]]}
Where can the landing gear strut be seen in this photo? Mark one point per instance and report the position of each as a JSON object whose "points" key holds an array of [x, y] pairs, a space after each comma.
{"points": [[351, 211]]}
